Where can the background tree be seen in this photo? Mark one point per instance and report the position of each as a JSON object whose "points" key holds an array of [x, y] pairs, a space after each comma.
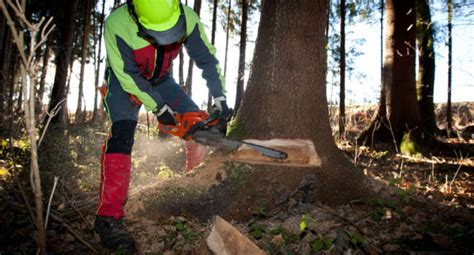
{"points": [[63, 59], [98, 61], [84, 50], [243, 46], [449, 118], [342, 72], [426, 65], [398, 111], [189, 79]]}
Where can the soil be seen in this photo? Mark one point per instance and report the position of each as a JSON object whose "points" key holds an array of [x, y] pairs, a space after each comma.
{"points": [[423, 205]]}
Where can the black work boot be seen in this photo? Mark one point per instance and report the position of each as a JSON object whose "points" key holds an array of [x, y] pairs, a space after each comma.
{"points": [[113, 234]]}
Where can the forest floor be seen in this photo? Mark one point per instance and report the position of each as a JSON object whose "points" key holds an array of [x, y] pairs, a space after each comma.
{"points": [[424, 205]]}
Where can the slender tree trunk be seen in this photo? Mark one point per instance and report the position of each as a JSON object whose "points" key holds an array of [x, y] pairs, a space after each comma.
{"points": [[398, 112], [12, 81], [44, 70], [426, 67], [449, 118], [17, 80], [99, 62], [243, 46], [4, 45], [65, 116], [227, 35], [342, 72], [62, 61], [189, 80], [213, 41], [382, 6], [79, 116]]}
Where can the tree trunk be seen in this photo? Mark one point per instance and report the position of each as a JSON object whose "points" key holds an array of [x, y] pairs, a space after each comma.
{"points": [[65, 116], [342, 73], [189, 79], [99, 61], [62, 61], [449, 118], [426, 66], [227, 35], [11, 78], [7, 67], [243, 46], [85, 44], [44, 71], [398, 112], [277, 63], [4, 44], [213, 41]]}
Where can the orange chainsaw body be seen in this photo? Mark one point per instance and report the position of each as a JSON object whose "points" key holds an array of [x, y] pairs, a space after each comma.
{"points": [[184, 122]]}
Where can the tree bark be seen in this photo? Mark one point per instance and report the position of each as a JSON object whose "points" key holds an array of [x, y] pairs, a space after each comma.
{"points": [[227, 35], [44, 70], [398, 112], [84, 49], [62, 61], [189, 79], [342, 72], [288, 85], [449, 118], [213, 41], [4, 44], [243, 46], [99, 61], [426, 67]]}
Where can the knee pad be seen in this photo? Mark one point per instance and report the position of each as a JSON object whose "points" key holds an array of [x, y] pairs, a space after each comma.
{"points": [[122, 137]]}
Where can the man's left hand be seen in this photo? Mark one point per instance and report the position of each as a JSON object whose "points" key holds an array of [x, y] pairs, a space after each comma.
{"points": [[225, 113], [221, 105]]}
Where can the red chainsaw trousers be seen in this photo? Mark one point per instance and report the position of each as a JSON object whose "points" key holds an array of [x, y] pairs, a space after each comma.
{"points": [[116, 164]]}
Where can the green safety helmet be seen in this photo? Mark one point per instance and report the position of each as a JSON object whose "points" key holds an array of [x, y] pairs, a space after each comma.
{"points": [[157, 15]]}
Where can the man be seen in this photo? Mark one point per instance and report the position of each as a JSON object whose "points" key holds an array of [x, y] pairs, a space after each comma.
{"points": [[142, 38]]}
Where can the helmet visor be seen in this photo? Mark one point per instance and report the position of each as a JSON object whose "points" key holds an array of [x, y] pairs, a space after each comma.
{"points": [[170, 36]]}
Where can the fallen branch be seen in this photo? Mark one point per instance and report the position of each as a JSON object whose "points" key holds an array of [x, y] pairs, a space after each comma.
{"points": [[21, 209]]}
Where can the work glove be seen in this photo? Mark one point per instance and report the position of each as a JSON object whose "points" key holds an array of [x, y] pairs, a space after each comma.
{"points": [[225, 113], [221, 105], [165, 115]]}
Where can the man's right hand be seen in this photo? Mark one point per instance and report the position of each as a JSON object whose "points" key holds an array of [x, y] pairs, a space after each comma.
{"points": [[165, 115]]}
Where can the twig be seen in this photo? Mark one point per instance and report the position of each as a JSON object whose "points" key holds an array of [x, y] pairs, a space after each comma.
{"points": [[73, 232], [454, 177], [51, 115], [49, 202], [20, 208]]}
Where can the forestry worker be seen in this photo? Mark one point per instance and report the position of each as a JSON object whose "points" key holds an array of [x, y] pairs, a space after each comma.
{"points": [[142, 38]]}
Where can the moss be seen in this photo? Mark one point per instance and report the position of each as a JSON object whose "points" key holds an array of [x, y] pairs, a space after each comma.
{"points": [[236, 129], [409, 147], [238, 173]]}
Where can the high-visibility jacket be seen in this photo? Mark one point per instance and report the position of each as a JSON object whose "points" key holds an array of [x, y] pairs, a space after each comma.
{"points": [[138, 64]]}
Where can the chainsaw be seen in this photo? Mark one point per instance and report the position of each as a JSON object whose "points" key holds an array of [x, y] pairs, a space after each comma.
{"points": [[209, 130]]}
